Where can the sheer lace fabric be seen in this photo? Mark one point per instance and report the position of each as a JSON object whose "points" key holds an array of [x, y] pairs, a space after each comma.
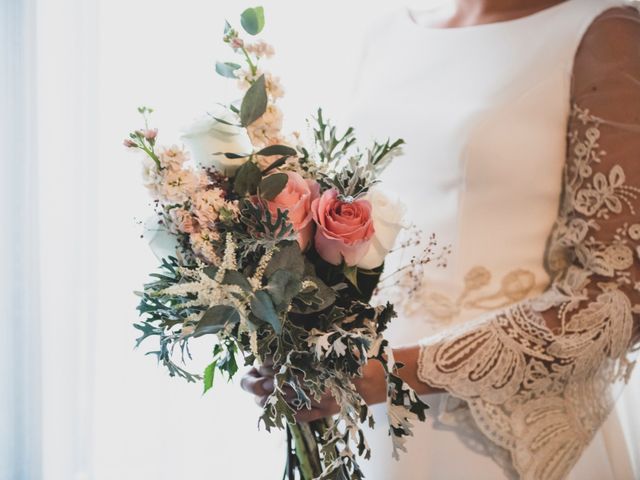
{"points": [[540, 376]]}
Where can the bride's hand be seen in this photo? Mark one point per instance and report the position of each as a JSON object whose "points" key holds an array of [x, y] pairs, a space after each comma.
{"points": [[259, 381]]}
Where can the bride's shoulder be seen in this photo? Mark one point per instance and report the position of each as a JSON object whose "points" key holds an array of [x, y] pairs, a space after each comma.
{"points": [[607, 64], [615, 31], [612, 38]]}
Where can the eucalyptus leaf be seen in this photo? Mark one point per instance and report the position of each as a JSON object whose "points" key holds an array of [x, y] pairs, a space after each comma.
{"points": [[225, 122], [227, 69], [277, 150], [231, 155], [215, 319], [232, 277], [314, 299], [210, 271], [289, 257], [272, 185], [278, 163], [283, 286], [247, 179], [254, 103], [252, 20], [263, 308]]}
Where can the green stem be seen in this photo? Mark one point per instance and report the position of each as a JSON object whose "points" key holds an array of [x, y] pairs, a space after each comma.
{"points": [[306, 447], [253, 68]]}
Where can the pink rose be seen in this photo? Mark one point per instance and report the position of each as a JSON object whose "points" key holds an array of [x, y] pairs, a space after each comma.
{"points": [[344, 228], [296, 198]]}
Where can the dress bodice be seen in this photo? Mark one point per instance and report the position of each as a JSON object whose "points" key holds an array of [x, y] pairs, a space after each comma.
{"points": [[483, 110]]}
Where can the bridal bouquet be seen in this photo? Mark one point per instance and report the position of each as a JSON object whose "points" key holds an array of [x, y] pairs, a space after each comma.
{"points": [[276, 249]]}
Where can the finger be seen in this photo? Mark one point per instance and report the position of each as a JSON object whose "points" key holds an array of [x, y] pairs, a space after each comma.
{"points": [[258, 385], [261, 401], [248, 380], [266, 370]]}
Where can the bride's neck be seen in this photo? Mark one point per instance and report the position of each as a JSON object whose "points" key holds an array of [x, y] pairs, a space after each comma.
{"points": [[471, 12]]}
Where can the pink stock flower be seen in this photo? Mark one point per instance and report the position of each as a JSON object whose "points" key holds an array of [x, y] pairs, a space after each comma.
{"points": [[172, 158], [296, 198], [129, 143], [207, 205], [261, 49], [178, 185], [266, 128], [202, 246], [344, 228], [183, 221], [150, 133]]}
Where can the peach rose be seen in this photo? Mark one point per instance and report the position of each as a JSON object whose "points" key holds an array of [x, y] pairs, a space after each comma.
{"points": [[344, 228], [296, 198]]}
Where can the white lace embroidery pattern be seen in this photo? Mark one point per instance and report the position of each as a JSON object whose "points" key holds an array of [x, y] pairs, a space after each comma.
{"points": [[477, 294], [540, 394]]}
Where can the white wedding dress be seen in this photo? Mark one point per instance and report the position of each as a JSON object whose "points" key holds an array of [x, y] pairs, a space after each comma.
{"points": [[541, 224]]}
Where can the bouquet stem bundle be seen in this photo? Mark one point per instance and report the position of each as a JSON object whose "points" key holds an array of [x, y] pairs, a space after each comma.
{"points": [[303, 449]]}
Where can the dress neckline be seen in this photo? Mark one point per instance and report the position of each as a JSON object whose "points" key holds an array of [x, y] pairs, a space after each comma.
{"points": [[408, 15]]}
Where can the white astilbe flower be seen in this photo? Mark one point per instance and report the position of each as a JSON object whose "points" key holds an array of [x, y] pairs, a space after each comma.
{"points": [[229, 261], [253, 343], [256, 279], [211, 291]]}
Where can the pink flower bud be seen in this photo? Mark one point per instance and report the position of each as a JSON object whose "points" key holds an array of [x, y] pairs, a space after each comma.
{"points": [[150, 133], [129, 143], [237, 43]]}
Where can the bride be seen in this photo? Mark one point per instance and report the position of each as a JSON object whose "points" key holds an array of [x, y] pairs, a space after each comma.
{"points": [[522, 125]]}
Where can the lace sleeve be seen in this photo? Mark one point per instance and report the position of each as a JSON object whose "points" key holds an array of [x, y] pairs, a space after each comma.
{"points": [[538, 376]]}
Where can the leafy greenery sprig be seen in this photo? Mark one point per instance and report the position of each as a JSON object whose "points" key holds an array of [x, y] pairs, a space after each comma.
{"points": [[348, 169]]}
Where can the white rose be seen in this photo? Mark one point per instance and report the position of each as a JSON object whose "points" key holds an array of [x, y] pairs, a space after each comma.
{"points": [[387, 213], [206, 137], [162, 242]]}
